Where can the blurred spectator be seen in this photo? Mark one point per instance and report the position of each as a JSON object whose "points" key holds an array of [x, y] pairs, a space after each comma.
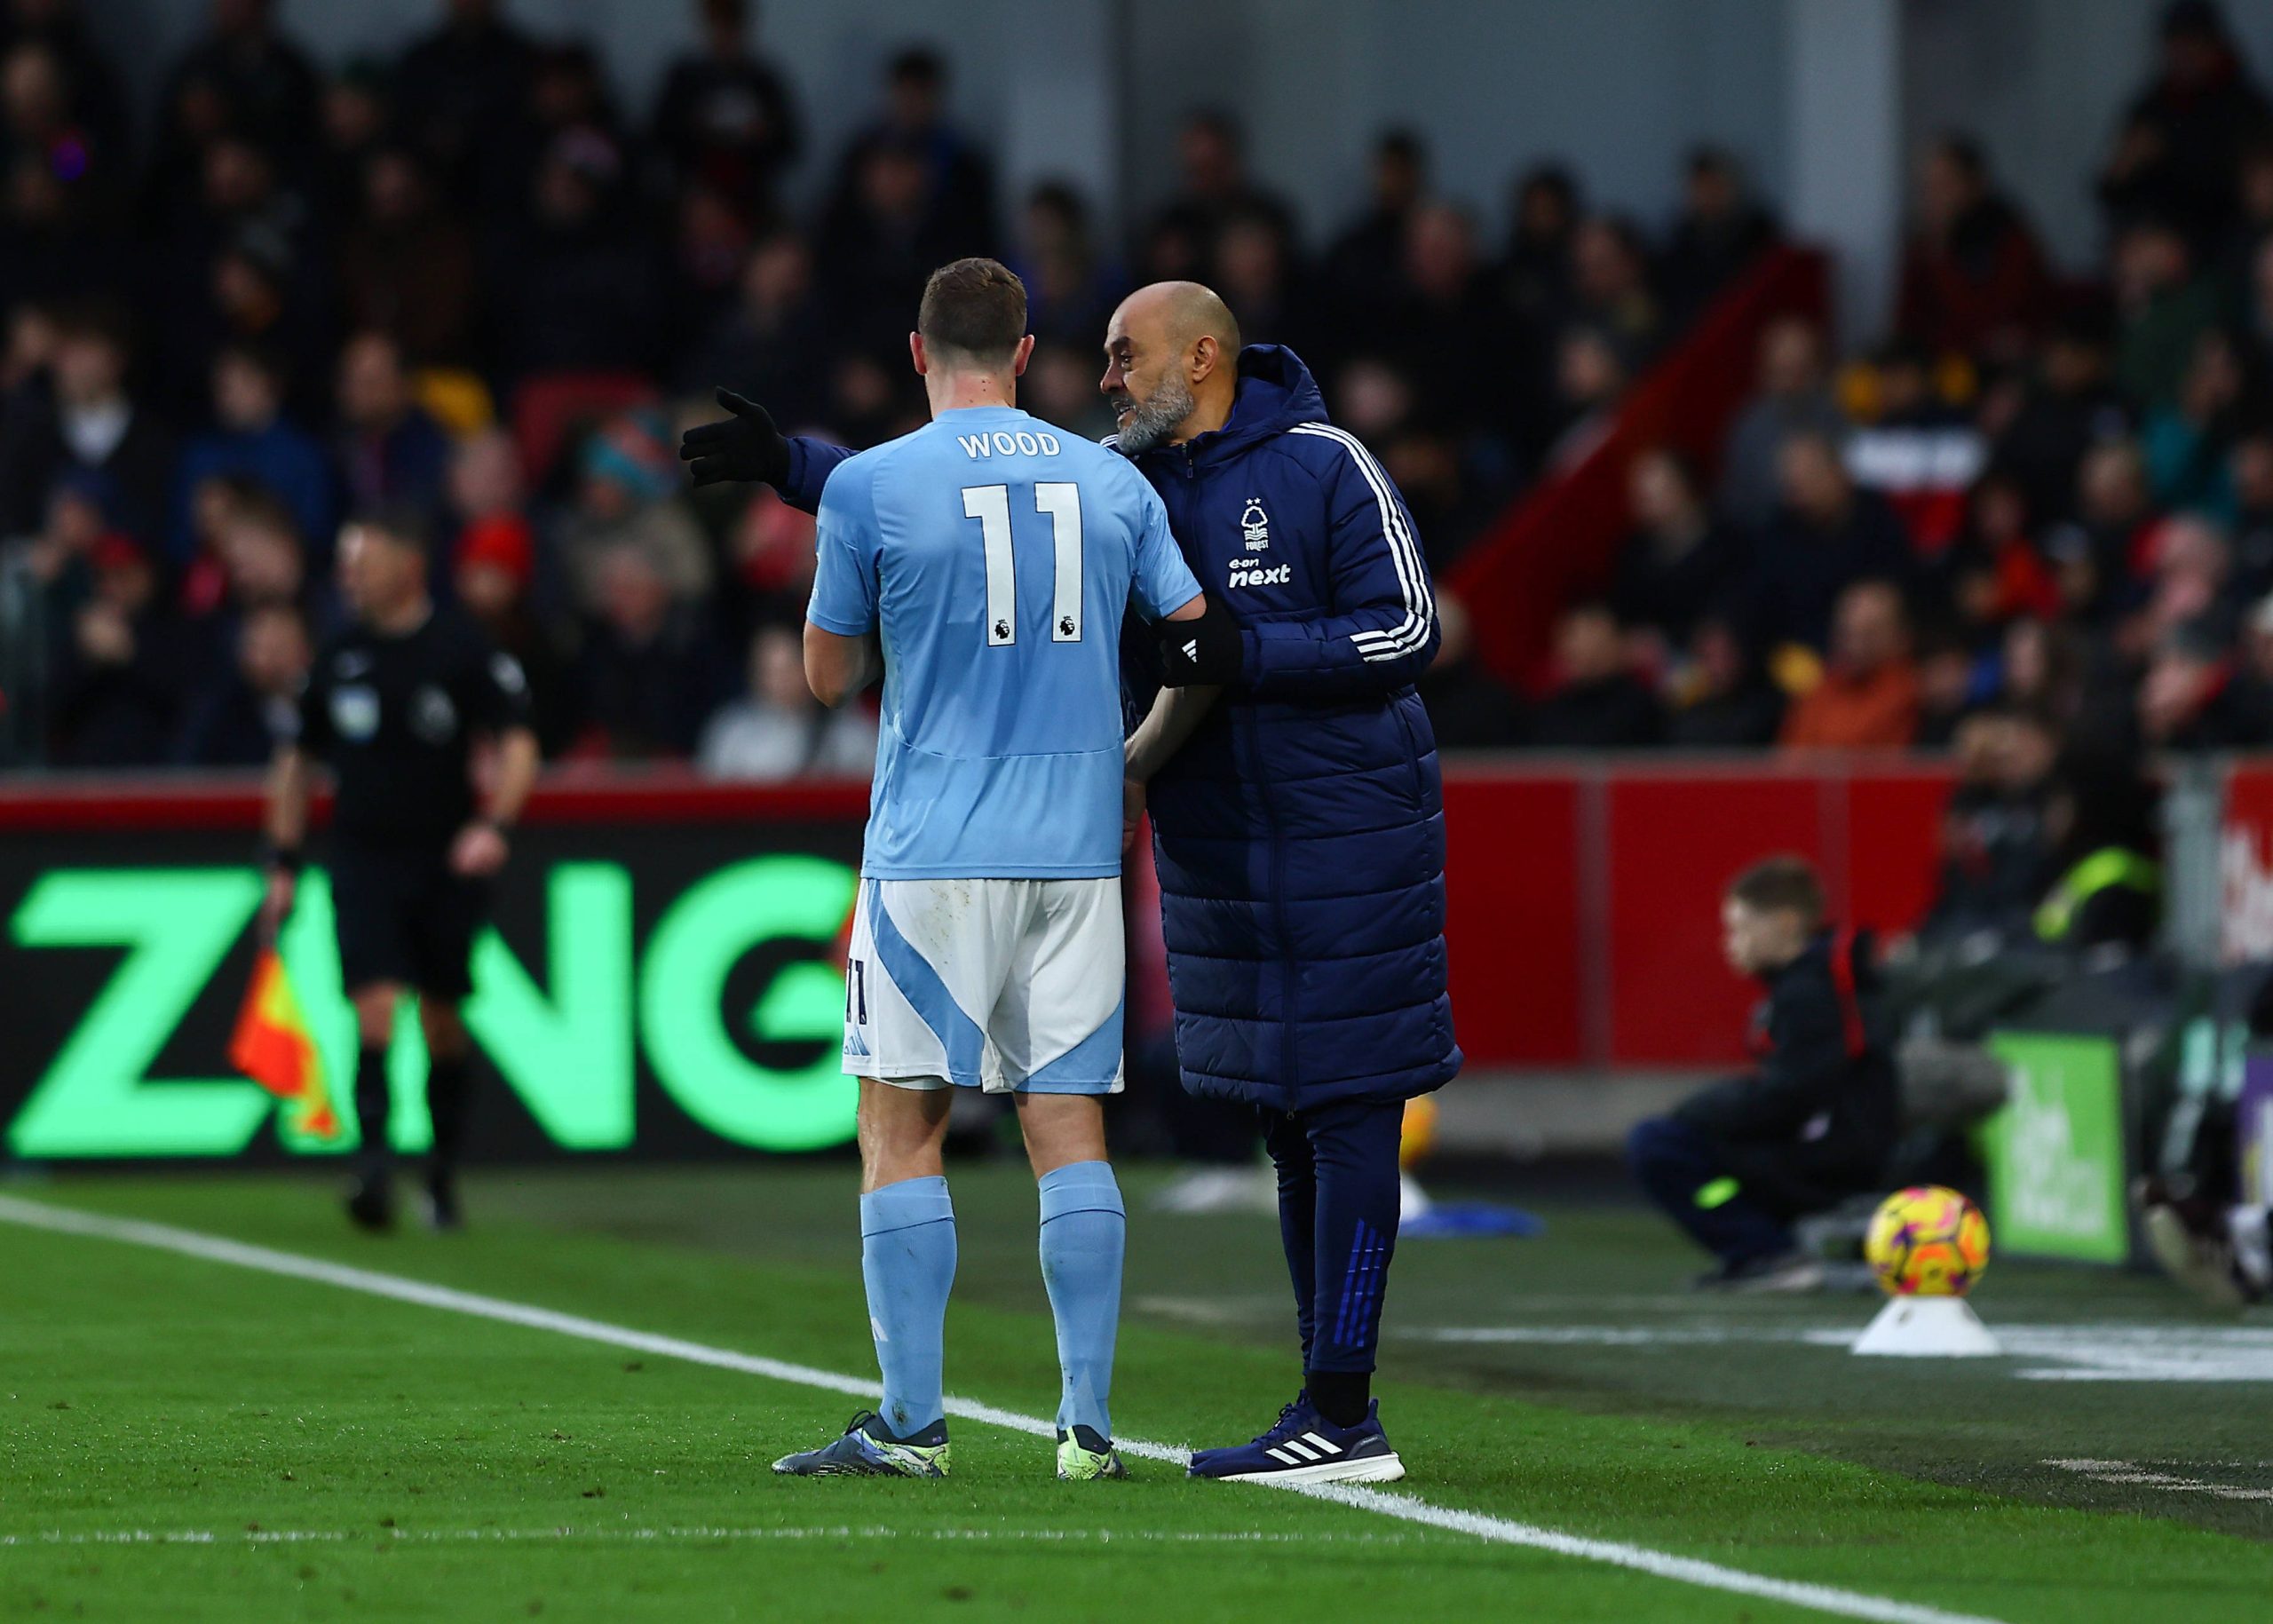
{"points": [[569, 101], [1364, 266], [55, 183], [494, 567], [1469, 708], [2071, 404], [1590, 379], [2176, 152], [1722, 699], [81, 421], [263, 561], [1793, 399], [264, 80], [1995, 572], [1952, 684], [1996, 848], [407, 266], [1826, 536], [1974, 280], [1537, 269], [1918, 451], [2250, 473], [648, 672], [1071, 288], [585, 291], [724, 118], [1060, 386], [2107, 888], [391, 452], [2186, 440], [629, 495], [1678, 561], [484, 480], [459, 93], [885, 234], [773, 343], [1256, 276], [235, 722], [2098, 554], [2253, 223], [1721, 230], [778, 730], [354, 120], [2043, 669], [1611, 289], [2196, 695], [1213, 187], [252, 437], [953, 178], [1597, 702], [60, 27], [1868, 697], [770, 552], [2163, 305], [255, 290], [2188, 583], [119, 679], [1445, 330]]}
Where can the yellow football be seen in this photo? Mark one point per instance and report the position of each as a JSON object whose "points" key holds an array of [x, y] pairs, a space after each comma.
{"points": [[1928, 1241]]}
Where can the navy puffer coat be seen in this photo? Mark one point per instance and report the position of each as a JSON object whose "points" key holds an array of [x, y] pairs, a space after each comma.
{"points": [[1300, 834]]}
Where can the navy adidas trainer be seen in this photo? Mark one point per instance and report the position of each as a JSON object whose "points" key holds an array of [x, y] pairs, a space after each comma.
{"points": [[1303, 1446]]}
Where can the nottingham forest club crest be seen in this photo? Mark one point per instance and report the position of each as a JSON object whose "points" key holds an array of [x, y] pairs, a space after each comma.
{"points": [[1255, 525]]}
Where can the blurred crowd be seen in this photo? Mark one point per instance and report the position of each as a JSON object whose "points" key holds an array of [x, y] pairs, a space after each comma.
{"points": [[469, 279], [2034, 527], [2043, 503]]}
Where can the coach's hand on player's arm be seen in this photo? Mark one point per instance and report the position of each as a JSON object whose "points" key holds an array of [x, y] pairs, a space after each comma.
{"points": [[744, 444], [1202, 648]]}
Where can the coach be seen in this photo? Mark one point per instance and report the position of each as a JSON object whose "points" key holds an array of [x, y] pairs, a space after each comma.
{"points": [[1300, 830]]}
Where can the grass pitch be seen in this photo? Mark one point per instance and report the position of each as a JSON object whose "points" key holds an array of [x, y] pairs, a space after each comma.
{"points": [[183, 1438]]}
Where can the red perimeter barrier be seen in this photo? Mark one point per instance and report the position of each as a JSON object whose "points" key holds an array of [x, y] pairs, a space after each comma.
{"points": [[1584, 925], [1584, 894], [1559, 541]]}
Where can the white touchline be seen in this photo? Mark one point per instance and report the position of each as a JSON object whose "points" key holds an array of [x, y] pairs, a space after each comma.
{"points": [[1405, 1507], [2131, 1473], [645, 1536]]}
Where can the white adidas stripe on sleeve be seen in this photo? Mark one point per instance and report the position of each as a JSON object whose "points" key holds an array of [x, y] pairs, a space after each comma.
{"points": [[1412, 633]]}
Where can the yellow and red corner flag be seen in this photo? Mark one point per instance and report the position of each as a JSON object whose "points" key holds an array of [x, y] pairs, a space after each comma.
{"points": [[273, 1046]]}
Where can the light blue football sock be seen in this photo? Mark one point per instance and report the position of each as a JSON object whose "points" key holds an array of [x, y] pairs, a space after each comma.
{"points": [[1084, 1231], [908, 1258]]}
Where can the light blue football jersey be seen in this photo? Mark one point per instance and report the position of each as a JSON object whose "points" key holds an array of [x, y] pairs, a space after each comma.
{"points": [[994, 556]]}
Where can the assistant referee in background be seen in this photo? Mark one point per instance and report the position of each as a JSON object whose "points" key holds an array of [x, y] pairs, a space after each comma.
{"points": [[395, 705]]}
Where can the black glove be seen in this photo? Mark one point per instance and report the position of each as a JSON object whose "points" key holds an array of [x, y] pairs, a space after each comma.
{"points": [[746, 446], [1205, 652]]}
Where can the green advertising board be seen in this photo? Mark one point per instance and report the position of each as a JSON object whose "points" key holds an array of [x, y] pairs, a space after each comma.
{"points": [[678, 995], [2055, 1151]]}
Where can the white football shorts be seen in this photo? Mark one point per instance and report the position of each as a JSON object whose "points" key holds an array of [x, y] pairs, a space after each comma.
{"points": [[1000, 985]]}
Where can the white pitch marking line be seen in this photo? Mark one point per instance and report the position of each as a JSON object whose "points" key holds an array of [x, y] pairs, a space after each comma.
{"points": [[2128, 1473], [474, 1536], [1405, 1507]]}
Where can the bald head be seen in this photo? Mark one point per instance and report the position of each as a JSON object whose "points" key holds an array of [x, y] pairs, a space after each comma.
{"points": [[1171, 364], [1181, 313]]}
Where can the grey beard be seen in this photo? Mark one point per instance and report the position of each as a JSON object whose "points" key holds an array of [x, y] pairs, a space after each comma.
{"points": [[1149, 424]]}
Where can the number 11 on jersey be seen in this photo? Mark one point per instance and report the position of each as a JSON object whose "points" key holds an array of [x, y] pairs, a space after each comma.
{"points": [[1061, 500]]}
